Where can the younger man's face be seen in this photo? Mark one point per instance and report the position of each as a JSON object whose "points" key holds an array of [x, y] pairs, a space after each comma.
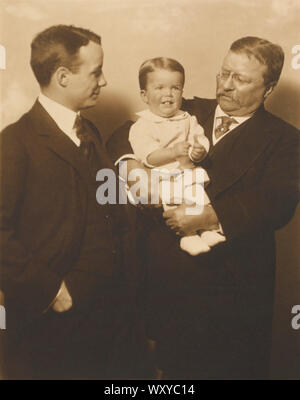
{"points": [[86, 82], [163, 92]]}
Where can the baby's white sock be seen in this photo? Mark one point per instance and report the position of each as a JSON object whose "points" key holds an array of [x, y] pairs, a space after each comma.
{"points": [[194, 245], [212, 238]]}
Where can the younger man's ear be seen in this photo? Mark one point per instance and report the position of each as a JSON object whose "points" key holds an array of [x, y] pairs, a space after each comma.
{"points": [[144, 96], [62, 76]]}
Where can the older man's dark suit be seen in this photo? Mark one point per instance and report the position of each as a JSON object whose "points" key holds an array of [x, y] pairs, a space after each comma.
{"points": [[212, 314], [52, 230]]}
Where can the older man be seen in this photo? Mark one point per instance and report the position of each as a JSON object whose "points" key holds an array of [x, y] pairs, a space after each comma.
{"points": [[63, 266], [212, 314]]}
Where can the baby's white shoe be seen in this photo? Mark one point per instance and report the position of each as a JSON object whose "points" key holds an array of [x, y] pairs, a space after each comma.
{"points": [[212, 238], [194, 245]]}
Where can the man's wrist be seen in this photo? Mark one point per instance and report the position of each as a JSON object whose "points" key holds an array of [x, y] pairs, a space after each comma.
{"points": [[126, 157]]}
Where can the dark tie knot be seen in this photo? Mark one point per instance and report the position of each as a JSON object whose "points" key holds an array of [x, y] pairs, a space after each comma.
{"points": [[79, 129], [224, 125], [227, 121], [86, 141]]}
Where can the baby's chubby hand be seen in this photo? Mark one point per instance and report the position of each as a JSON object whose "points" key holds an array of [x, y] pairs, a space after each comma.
{"points": [[181, 149], [198, 152]]}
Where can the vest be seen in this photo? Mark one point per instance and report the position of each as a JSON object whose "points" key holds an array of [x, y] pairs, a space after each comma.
{"points": [[100, 252]]}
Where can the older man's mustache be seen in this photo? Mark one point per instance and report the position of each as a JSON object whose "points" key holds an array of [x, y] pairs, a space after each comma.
{"points": [[224, 95]]}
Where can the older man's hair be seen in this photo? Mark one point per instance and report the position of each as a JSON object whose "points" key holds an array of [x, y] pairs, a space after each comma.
{"points": [[56, 47], [269, 54], [158, 63]]}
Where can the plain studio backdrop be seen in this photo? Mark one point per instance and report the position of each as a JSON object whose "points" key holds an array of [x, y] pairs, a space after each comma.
{"points": [[195, 32]]}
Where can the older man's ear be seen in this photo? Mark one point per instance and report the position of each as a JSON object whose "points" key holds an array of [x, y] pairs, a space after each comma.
{"points": [[269, 89]]}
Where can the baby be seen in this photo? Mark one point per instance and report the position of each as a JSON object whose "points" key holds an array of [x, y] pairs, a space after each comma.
{"points": [[167, 138]]}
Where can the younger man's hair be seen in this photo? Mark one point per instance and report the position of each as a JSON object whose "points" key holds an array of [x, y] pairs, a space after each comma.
{"points": [[58, 46], [158, 63], [269, 54]]}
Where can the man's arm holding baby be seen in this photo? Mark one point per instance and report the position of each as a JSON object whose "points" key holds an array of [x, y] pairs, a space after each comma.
{"points": [[119, 149], [177, 219]]}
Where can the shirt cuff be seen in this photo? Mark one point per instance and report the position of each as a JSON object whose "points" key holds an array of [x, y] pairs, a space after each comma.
{"points": [[126, 186], [126, 157]]}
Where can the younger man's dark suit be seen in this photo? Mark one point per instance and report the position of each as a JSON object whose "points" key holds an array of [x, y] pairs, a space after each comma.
{"points": [[52, 229], [212, 314]]}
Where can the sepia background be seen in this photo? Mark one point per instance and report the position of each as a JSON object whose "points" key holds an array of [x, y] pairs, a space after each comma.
{"points": [[195, 32]]}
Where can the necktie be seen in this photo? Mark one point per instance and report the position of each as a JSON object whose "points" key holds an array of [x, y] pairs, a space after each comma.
{"points": [[224, 126], [86, 143]]}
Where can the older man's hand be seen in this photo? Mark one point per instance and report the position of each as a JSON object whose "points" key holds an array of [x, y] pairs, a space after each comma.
{"points": [[179, 220]]}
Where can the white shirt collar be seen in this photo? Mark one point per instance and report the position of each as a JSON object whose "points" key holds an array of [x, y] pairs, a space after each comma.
{"points": [[63, 116], [150, 116]]}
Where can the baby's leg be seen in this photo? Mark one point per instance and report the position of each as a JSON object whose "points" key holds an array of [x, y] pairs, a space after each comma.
{"points": [[189, 193], [208, 239], [195, 198], [171, 190]]}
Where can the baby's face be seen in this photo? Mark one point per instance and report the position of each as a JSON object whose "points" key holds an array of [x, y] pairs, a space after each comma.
{"points": [[163, 92]]}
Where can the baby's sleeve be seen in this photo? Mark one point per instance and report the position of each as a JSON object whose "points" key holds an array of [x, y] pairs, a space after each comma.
{"points": [[142, 140], [197, 130]]}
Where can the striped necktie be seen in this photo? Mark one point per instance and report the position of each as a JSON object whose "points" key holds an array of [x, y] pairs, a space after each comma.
{"points": [[224, 126], [86, 142]]}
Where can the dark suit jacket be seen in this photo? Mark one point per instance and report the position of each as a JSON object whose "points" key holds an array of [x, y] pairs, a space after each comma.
{"points": [[46, 203], [225, 296], [44, 185], [254, 170]]}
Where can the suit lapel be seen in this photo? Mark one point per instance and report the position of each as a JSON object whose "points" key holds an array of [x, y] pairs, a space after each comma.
{"points": [[208, 127], [230, 158], [57, 141]]}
